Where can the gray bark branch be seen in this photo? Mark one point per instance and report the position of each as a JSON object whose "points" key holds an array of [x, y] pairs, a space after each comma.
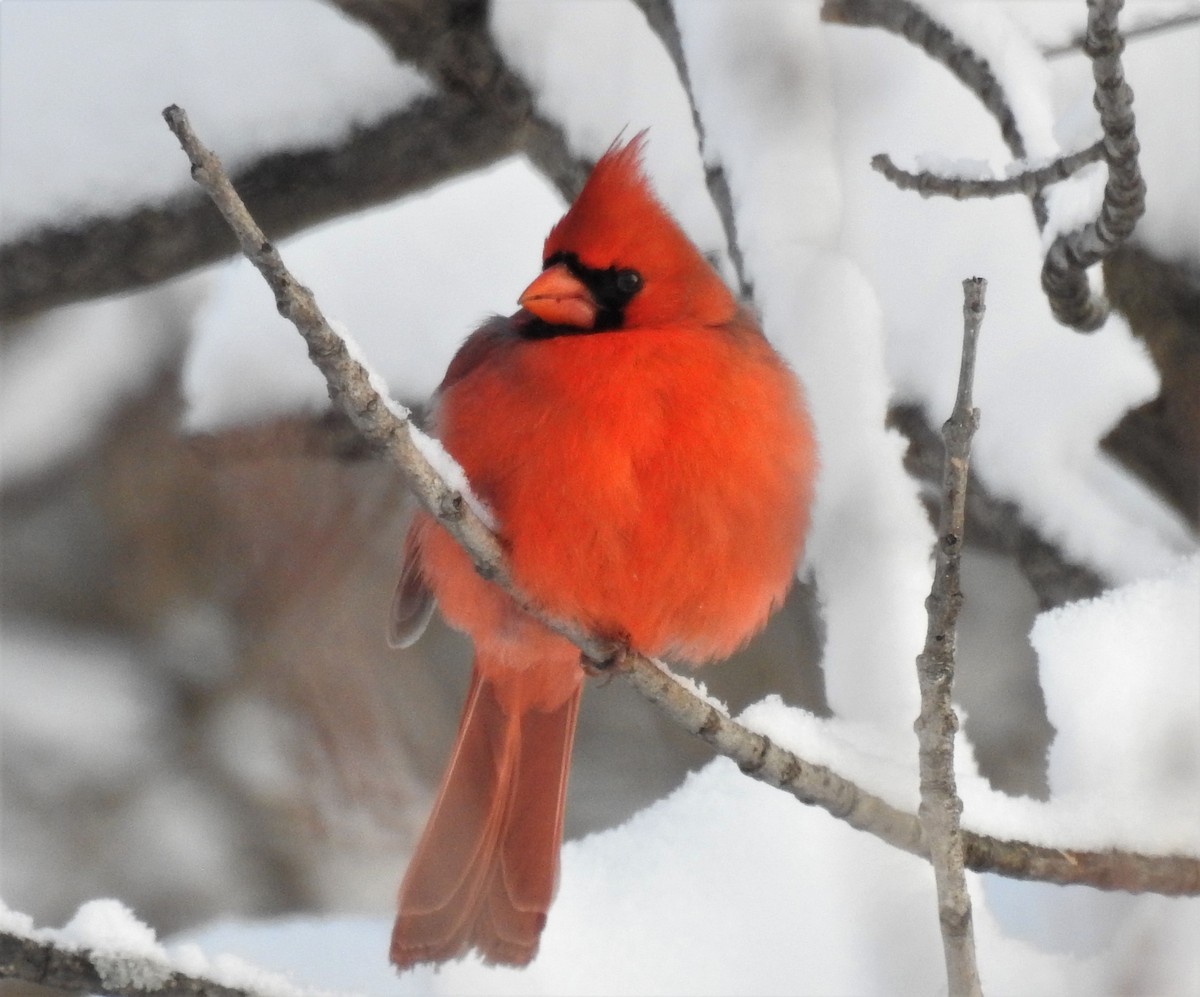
{"points": [[1064, 269], [434, 139], [388, 429], [1028, 182], [941, 807]]}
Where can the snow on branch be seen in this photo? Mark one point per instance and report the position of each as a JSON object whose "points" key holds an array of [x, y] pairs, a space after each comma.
{"points": [[914, 24], [482, 113], [1030, 181], [941, 806], [432, 140], [1064, 270], [107, 950], [388, 429]]}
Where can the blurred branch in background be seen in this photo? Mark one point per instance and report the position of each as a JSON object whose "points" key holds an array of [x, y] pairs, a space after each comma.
{"points": [[432, 140], [481, 113], [1064, 271]]}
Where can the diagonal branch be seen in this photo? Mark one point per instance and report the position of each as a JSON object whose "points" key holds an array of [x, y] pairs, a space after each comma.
{"points": [[388, 428], [482, 114], [434, 139]]}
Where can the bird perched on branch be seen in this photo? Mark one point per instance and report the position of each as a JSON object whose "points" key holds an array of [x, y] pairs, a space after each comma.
{"points": [[649, 463]]}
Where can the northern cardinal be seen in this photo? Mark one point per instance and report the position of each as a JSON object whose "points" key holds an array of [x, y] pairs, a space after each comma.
{"points": [[649, 461]]}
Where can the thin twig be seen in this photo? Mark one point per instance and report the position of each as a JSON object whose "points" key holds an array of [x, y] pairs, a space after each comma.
{"points": [[1029, 182], [388, 429], [941, 806], [1064, 272], [660, 15], [914, 24]]}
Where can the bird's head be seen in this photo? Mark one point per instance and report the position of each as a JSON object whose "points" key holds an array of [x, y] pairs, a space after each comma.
{"points": [[618, 260]]}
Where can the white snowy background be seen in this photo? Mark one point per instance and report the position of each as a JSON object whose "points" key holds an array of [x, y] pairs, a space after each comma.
{"points": [[725, 886]]}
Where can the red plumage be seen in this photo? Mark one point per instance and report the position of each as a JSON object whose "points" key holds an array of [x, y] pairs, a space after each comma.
{"points": [[649, 461]]}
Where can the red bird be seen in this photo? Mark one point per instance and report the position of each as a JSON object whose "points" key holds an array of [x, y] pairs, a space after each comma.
{"points": [[649, 462]]}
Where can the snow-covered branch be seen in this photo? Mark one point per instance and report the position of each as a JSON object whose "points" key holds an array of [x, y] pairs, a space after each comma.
{"points": [[1029, 182], [106, 950], [914, 24], [941, 807], [451, 43], [387, 427], [1064, 270], [432, 140], [481, 113]]}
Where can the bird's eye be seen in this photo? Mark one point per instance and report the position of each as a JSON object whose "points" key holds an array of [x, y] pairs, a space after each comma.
{"points": [[629, 281]]}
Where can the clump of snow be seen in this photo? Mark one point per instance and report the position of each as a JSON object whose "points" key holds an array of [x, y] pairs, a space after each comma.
{"points": [[128, 955], [962, 167], [16, 923], [1131, 653], [251, 80], [124, 951]]}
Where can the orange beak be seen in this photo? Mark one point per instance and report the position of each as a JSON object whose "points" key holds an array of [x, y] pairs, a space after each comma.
{"points": [[558, 297]]}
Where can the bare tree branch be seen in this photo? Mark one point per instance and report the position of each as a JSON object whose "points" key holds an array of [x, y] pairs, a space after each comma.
{"points": [[482, 114], [912, 23], [1064, 276], [660, 15], [83, 971], [451, 42], [941, 806], [434, 139], [1064, 273], [387, 427], [1029, 182]]}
